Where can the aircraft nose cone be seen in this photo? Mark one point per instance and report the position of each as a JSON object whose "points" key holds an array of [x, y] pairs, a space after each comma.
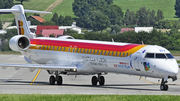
{"points": [[174, 70]]}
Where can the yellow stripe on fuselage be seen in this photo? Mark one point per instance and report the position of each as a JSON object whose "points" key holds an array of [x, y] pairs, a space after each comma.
{"points": [[88, 51]]}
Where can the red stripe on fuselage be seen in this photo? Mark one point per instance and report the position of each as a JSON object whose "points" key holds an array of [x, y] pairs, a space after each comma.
{"points": [[83, 45]]}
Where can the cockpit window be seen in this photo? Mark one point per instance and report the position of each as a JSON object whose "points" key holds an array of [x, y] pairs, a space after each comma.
{"points": [[169, 56], [149, 55], [158, 55]]}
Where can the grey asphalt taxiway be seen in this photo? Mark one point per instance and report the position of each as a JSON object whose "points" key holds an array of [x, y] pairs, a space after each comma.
{"points": [[25, 82]]}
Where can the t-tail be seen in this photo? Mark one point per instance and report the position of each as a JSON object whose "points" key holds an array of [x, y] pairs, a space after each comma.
{"points": [[21, 22]]}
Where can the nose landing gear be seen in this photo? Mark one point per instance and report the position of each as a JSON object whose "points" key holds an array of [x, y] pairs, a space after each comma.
{"points": [[163, 85]]}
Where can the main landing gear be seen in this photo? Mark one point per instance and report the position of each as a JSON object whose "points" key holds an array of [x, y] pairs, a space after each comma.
{"points": [[163, 85], [53, 79], [99, 79]]}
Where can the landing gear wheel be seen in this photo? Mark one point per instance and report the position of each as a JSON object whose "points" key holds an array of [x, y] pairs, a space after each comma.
{"points": [[164, 87], [52, 80], [101, 80], [59, 80], [94, 80]]}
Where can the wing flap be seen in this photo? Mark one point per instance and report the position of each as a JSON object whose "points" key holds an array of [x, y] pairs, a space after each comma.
{"points": [[36, 66]]}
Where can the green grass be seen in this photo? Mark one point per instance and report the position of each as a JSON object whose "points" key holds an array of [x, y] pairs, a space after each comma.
{"points": [[65, 8], [9, 52], [31, 5], [38, 97], [167, 6], [175, 53]]}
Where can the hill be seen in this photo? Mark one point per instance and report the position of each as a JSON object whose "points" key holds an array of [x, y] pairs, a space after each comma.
{"points": [[65, 8], [31, 5], [167, 6]]}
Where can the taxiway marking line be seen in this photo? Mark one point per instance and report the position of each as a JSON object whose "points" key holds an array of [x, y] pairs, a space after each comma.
{"points": [[35, 76]]}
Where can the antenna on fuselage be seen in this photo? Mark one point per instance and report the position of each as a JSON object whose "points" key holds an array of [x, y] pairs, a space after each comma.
{"points": [[112, 40], [142, 42]]}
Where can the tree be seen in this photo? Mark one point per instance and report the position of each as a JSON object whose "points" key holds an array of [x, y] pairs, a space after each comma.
{"points": [[115, 28], [177, 8], [127, 17], [152, 18], [68, 20], [1, 27], [142, 16], [55, 18], [160, 15], [22, 1], [113, 12], [14, 23], [8, 3], [1, 4], [84, 22], [61, 20], [48, 23], [109, 1], [99, 21], [81, 8]]}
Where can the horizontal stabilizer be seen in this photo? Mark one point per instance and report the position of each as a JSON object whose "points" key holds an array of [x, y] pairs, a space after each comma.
{"points": [[26, 11], [33, 11], [9, 10]]}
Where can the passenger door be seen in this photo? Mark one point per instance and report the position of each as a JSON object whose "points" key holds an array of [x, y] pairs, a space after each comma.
{"points": [[136, 61]]}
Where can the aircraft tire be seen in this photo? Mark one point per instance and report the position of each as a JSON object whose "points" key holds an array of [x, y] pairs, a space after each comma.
{"points": [[59, 80], [101, 81], [52, 80], [164, 87], [94, 80]]}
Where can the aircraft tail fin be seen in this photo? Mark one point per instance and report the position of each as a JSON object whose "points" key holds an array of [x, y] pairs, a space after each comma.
{"points": [[21, 22]]}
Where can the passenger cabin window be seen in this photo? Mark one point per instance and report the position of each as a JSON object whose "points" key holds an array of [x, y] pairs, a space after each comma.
{"points": [[105, 53], [90, 51], [93, 51], [160, 55], [123, 54], [149, 55], [130, 55], [126, 54], [97, 51], [101, 53], [120, 54], [112, 53], [116, 54], [169, 56], [108, 53]]}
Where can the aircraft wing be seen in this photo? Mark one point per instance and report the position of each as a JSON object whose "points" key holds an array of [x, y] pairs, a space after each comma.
{"points": [[37, 66]]}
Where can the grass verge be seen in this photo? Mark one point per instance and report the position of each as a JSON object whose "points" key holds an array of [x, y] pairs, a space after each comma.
{"points": [[39, 97], [9, 52], [175, 53]]}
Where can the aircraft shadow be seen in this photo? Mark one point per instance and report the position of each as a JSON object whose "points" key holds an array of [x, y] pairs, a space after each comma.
{"points": [[107, 86]]}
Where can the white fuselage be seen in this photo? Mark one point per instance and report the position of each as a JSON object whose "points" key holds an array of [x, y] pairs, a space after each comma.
{"points": [[133, 64]]}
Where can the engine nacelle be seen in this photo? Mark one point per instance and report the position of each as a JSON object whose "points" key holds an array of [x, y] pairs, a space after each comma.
{"points": [[19, 43], [66, 37]]}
